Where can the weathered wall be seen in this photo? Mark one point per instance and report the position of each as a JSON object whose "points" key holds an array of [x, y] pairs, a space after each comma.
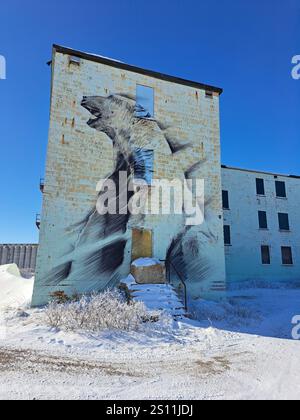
{"points": [[24, 255], [243, 257], [76, 253]]}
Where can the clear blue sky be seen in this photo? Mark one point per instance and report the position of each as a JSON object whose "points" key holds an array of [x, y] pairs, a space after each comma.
{"points": [[244, 46]]}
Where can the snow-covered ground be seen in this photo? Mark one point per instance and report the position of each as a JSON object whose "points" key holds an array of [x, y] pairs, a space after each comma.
{"points": [[15, 291], [239, 350]]}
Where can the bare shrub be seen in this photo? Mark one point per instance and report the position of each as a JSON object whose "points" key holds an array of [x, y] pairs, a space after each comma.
{"points": [[97, 312], [59, 297]]}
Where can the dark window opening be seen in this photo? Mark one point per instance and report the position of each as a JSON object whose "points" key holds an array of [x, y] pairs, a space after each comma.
{"points": [[227, 235], [144, 102], [225, 198], [280, 189], [262, 219], [260, 186], [284, 223], [265, 255], [287, 256]]}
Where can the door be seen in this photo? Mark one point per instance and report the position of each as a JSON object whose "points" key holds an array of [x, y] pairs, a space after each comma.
{"points": [[141, 244]]}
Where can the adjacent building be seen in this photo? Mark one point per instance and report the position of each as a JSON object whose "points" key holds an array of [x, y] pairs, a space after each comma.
{"points": [[261, 225], [24, 255]]}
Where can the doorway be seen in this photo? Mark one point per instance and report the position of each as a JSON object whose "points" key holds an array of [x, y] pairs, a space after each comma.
{"points": [[141, 244]]}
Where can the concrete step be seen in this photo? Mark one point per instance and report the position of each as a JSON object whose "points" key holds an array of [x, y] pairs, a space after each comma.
{"points": [[156, 297]]}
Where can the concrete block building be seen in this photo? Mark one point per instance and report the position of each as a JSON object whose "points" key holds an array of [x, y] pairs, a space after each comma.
{"points": [[261, 226], [108, 117], [24, 255]]}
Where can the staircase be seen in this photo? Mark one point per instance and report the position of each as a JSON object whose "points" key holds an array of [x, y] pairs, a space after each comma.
{"points": [[156, 297]]}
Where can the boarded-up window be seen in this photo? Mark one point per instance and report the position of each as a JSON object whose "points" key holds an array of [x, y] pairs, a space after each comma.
{"points": [[225, 197], [141, 244], [260, 186], [287, 255], [262, 220], [265, 255], [227, 235], [284, 223], [280, 189], [144, 102]]}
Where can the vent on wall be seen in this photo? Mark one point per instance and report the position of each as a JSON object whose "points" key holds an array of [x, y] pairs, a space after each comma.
{"points": [[74, 60], [209, 94]]}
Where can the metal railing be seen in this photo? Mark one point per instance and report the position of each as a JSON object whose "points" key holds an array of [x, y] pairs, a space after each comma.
{"points": [[169, 266]]}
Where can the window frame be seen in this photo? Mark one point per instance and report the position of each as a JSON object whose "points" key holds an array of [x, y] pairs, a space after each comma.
{"points": [[266, 261], [277, 184], [283, 249], [227, 200], [263, 187], [152, 117], [265, 219], [227, 234], [287, 220]]}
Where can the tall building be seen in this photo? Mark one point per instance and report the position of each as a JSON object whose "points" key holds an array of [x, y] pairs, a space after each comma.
{"points": [[108, 117]]}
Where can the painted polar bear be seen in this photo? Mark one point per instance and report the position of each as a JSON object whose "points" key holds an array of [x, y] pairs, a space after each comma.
{"points": [[97, 254]]}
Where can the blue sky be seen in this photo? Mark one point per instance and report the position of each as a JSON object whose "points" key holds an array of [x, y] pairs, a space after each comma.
{"points": [[244, 46]]}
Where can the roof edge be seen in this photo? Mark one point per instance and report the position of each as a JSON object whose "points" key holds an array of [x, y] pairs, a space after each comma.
{"points": [[234, 168], [135, 69]]}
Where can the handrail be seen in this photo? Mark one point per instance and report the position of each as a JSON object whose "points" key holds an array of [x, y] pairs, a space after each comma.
{"points": [[170, 264]]}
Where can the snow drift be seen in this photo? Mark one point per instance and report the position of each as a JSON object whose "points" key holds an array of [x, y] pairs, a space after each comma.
{"points": [[15, 291]]}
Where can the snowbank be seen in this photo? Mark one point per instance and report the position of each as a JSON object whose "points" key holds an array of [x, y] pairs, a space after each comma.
{"points": [[145, 262], [15, 291]]}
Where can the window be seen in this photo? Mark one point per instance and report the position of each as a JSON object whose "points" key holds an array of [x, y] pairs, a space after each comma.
{"points": [[280, 189], [284, 223], [260, 186], [262, 220], [287, 256], [225, 197], [265, 255], [143, 165], [227, 235], [144, 102]]}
